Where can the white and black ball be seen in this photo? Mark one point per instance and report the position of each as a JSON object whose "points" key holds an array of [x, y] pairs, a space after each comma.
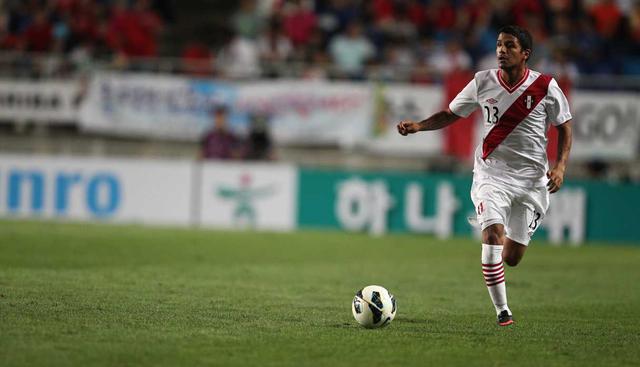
{"points": [[374, 307]]}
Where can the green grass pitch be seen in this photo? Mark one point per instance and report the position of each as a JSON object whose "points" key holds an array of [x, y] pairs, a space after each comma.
{"points": [[91, 295]]}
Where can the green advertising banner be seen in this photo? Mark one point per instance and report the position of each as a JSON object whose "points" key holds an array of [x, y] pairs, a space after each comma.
{"points": [[439, 204]]}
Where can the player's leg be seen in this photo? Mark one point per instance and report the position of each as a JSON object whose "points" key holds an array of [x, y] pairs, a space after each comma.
{"points": [[513, 251], [493, 271], [526, 215], [492, 208]]}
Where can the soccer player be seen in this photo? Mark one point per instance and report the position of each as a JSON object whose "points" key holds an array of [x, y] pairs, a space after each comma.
{"points": [[511, 176]]}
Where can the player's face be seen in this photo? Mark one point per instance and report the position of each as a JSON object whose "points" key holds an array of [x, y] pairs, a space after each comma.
{"points": [[509, 51]]}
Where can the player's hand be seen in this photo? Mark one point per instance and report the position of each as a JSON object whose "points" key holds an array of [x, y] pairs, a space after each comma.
{"points": [[556, 178], [407, 127]]}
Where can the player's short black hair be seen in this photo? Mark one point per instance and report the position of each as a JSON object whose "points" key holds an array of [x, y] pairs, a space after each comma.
{"points": [[523, 36]]}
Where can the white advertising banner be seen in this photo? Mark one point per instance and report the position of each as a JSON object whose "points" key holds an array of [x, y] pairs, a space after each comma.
{"points": [[394, 103], [152, 105], [311, 112], [254, 196], [51, 101], [302, 112], [131, 191], [605, 125]]}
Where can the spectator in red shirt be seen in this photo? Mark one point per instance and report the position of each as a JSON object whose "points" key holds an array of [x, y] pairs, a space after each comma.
{"points": [[38, 36], [441, 16], [8, 40], [298, 21], [197, 59], [383, 11], [134, 31], [606, 16], [474, 13], [416, 12], [83, 19], [148, 28], [524, 8], [117, 27]]}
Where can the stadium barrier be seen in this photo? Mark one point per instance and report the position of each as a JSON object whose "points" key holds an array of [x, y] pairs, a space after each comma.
{"points": [[607, 125], [283, 197], [439, 204], [352, 115]]}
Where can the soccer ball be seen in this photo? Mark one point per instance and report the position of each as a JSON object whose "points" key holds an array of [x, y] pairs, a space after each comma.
{"points": [[374, 307]]}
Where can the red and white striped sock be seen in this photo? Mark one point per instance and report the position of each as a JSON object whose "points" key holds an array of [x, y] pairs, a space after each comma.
{"points": [[493, 272]]}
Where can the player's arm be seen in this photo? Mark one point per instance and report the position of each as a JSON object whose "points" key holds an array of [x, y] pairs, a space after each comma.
{"points": [[464, 104], [556, 174], [436, 121]]}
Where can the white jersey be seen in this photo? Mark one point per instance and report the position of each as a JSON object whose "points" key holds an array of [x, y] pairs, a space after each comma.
{"points": [[516, 120]]}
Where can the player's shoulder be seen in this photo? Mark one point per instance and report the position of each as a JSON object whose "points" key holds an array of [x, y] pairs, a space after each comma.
{"points": [[548, 79], [485, 74], [486, 79]]}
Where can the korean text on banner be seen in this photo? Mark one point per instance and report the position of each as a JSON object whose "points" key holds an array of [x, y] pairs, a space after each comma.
{"points": [[439, 204]]}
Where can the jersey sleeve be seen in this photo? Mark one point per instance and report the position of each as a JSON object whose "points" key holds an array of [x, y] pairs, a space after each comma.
{"points": [[466, 101], [558, 107]]}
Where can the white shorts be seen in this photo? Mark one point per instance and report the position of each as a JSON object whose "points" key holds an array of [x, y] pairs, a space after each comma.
{"points": [[519, 209]]}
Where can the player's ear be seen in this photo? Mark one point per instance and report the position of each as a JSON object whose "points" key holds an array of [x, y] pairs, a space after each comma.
{"points": [[527, 53]]}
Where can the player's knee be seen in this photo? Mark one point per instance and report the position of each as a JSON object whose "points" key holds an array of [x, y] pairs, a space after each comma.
{"points": [[511, 260], [492, 237]]}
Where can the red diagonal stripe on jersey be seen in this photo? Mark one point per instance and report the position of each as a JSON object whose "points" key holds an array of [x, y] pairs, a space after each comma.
{"points": [[515, 114]]}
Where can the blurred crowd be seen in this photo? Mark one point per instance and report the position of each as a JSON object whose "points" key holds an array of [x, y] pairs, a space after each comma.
{"points": [[408, 40], [82, 30], [421, 40]]}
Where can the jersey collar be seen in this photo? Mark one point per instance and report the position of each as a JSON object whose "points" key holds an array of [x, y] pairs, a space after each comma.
{"points": [[517, 85]]}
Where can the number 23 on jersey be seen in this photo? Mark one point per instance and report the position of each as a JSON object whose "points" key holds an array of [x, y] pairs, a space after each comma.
{"points": [[492, 114]]}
